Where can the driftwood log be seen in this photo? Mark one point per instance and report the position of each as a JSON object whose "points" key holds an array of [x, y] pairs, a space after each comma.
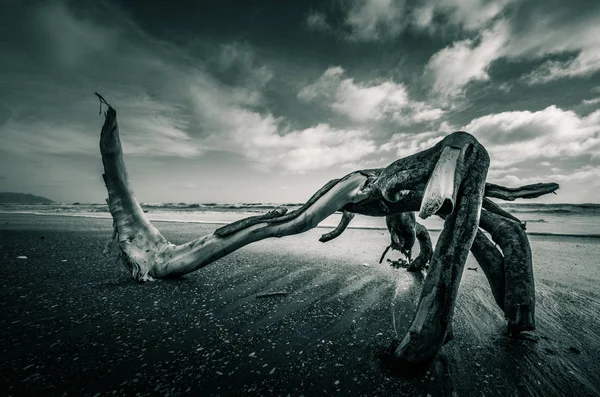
{"points": [[448, 180]]}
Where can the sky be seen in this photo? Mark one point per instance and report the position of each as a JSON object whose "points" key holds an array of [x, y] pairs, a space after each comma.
{"points": [[265, 101]]}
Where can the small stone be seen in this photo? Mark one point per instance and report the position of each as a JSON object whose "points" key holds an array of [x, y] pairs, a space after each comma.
{"points": [[337, 382], [21, 257]]}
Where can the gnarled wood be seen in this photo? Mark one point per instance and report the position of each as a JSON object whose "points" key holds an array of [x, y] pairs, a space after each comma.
{"points": [[491, 261], [403, 233], [519, 292], [447, 180], [431, 324], [495, 208], [425, 247], [527, 191], [404, 230], [344, 222], [141, 244], [147, 254]]}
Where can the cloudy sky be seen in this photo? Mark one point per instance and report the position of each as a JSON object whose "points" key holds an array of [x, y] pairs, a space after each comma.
{"points": [[265, 101]]}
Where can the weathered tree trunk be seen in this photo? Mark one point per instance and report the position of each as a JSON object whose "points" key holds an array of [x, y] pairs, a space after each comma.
{"points": [[147, 253], [447, 180], [141, 245], [467, 162]]}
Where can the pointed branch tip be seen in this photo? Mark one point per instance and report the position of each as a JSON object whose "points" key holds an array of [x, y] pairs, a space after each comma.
{"points": [[102, 101]]}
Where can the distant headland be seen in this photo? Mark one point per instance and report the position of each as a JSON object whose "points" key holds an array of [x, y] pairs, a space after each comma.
{"points": [[23, 198]]}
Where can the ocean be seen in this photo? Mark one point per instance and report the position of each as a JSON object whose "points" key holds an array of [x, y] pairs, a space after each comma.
{"points": [[542, 219]]}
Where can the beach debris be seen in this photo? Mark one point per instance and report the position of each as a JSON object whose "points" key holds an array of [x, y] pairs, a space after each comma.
{"points": [[574, 350], [366, 264], [21, 257], [270, 294], [472, 268], [399, 264]]}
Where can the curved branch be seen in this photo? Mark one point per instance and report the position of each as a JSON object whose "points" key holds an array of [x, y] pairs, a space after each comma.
{"points": [[140, 243], [148, 254], [519, 292], [189, 257], [495, 208], [344, 222], [491, 261], [527, 191], [425, 249]]}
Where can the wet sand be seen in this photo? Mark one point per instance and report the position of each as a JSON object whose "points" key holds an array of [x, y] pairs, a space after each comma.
{"points": [[74, 321]]}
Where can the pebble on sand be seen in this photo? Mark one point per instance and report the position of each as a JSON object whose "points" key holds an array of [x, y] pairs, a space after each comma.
{"points": [[21, 257]]}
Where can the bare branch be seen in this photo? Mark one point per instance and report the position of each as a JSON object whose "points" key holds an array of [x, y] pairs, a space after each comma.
{"points": [[527, 191], [344, 222], [496, 209]]}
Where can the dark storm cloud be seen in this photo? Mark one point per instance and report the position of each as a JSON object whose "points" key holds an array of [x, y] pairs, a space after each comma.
{"points": [[262, 91]]}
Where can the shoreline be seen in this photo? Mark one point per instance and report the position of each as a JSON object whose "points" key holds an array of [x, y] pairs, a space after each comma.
{"points": [[320, 226]]}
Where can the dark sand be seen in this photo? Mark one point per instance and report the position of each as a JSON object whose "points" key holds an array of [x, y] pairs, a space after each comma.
{"points": [[74, 321]]}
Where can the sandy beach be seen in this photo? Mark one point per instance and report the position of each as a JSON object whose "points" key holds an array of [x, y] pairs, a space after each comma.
{"points": [[73, 321]]}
